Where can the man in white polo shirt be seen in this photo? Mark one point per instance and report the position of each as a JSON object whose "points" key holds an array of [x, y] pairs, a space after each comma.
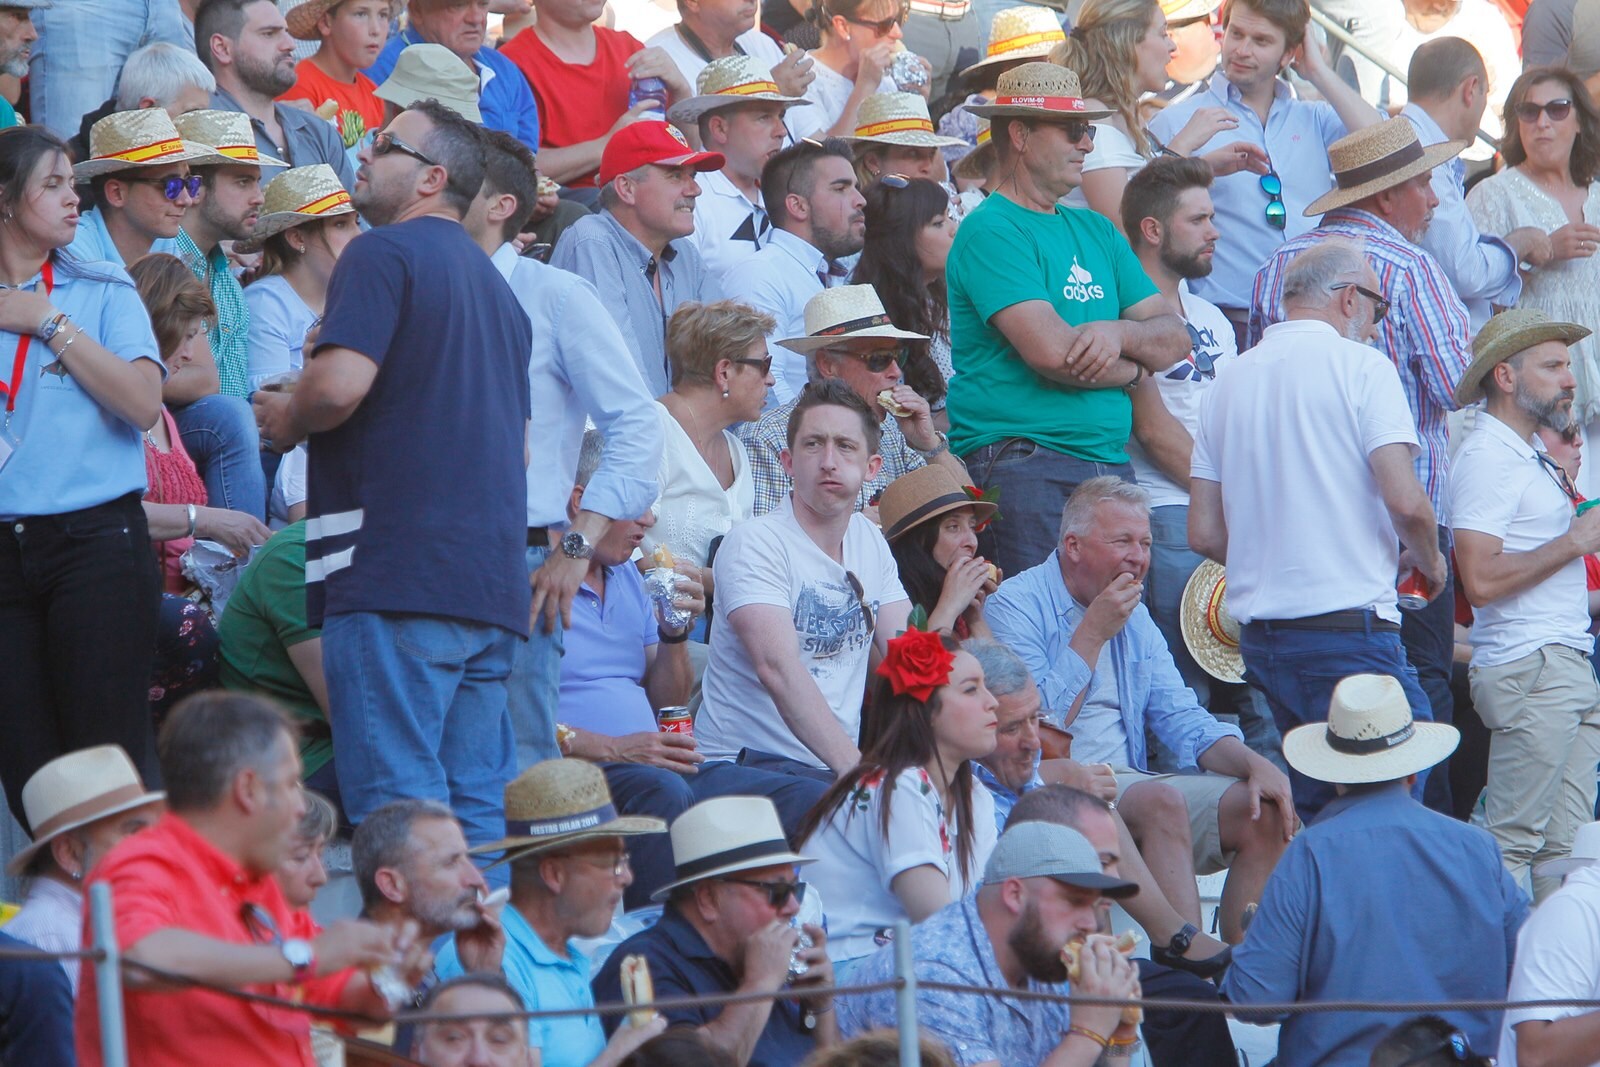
{"points": [[1520, 553], [709, 30]]}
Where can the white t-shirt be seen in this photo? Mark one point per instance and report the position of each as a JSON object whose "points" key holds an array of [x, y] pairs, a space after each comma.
{"points": [[288, 488], [1498, 487], [693, 508], [857, 862], [1558, 958], [771, 560], [1098, 734], [1288, 434], [828, 92], [1182, 387], [756, 44], [643, 18], [1112, 148], [728, 227]]}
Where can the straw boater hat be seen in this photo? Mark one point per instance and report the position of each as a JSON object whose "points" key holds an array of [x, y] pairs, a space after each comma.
{"points": [[295, 197], [75, 790], [1585, 853], [1502, 337], [1378, 158], [900, 119], [303, 18], [1210, 633], [432, 72], [919, 495], [735, 79], [723, 836], [125, 140], [560, 801], [1369, 736], [846, 313], [229, 132], [1184, 10], [1038, 91], [1026, 32]]}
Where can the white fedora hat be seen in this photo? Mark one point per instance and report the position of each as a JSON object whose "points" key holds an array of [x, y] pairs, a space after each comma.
{"points": [[1369, 736], [727, 82], [845, 313], [75, 790], [726, 835], [1585, 853]]}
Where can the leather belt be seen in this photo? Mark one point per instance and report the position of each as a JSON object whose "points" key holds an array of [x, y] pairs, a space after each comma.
{"points": [[538, 537], [1352, 621]]}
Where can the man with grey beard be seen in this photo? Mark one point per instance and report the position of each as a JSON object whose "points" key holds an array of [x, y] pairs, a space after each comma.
{"points": [[16, 44], [1520, 551]]}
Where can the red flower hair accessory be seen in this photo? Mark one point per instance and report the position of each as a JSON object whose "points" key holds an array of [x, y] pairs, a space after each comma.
{"points": [[917, 663]]}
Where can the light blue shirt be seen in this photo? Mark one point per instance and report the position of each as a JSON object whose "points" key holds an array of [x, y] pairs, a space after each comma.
{"points": [[504, 96], [605, 658], [279, 321], [1004, 798], [93, 244], [1296, 138], [1036, 617], [73, 453], [779, 280], [547, 983]]}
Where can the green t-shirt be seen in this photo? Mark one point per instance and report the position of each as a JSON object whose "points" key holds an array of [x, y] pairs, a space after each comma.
{"points": [[1076, 260], [265, 617], [8, 114]]}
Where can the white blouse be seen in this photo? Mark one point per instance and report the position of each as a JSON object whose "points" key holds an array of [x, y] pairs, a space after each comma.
{"points": [[693, 508]]}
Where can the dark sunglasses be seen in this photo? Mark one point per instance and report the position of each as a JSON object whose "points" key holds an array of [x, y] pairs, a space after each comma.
{"points": [[1454, 1043], [1555, 471], [386, 142], [1380, 306], [1277, 214], [883, 26], [860, 592], [172, 188], [895, 181], [778, 893], [762, 365], [1204, 363], [879, 360], [1556, 109]]}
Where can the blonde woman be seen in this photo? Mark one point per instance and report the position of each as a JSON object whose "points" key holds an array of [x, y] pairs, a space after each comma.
{"points": [[859, 42]]}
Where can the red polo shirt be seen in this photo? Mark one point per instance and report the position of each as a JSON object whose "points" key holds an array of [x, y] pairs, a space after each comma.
{"points": [[577, 102], [171, 876]]}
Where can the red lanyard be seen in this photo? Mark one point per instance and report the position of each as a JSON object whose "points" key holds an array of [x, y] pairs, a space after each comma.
{"points": [[20, 363]]}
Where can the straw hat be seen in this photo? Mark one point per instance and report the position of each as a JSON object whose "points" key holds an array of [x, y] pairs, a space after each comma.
{"points": [[726, 835], [844, 313], [898, 118], [735, 79], [229, 132], [1184, 10], [303, 18], [974, 166], [297, 196], [432, 72], [1502, 337], [560, 801], [1369, 736], [1026, 32], [1585, 853], [1378, 158], [1038, 91], [919, 495], [125, 140], [1209, 632], [75, 790]]}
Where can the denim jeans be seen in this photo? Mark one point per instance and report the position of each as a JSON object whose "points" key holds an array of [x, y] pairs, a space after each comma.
{"points": [[1034, 484], [418, 709], [1429, 636], [219, 433], [1297, 670], [81, 48], [533, 692]]}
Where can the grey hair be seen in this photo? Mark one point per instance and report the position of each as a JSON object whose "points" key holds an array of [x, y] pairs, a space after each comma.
{"points": [[1004, 672], [160, 72], [1078, 515], [383, 838], [589, 453], [608, 192], [1309, 279]]}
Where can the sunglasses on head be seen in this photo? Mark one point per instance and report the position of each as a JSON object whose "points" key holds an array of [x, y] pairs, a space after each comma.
{"points": [[1380, 306], [1277, 214], [778, 892], [386, 142], [1528, 111], [883, 26], [895, 181], [173, 187]]}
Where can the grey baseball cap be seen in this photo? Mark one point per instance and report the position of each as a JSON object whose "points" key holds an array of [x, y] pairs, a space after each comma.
{"points": [[1049, 850]]}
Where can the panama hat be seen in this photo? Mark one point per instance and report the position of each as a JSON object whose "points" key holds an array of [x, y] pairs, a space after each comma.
{"points": [[229, 132], [844, 313], [735, 79], [974, 166], [297, 196], [1502, 337], [75, 790], [899, 119], [1184, 10], [1369, 736], [1026, 32], [1038, 91], [125, 140], [304, 16], [560, 801], [432, 72], [1210, 633], [919, 495], [1585, 853], [1378, 158], [726, 835]]}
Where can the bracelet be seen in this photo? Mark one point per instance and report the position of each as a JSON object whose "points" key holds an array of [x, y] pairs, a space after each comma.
{"points": [[671, 639], [62, 351], [1084, 1031], [1124, 1042], [194, 518], [937, 450], [1138, 372]]}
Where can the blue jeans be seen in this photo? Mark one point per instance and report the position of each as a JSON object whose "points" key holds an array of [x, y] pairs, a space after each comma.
{"points": [[1297, 670], [418, 709], [81, 48], [1429, 636], [219, 433], [533, 692]]}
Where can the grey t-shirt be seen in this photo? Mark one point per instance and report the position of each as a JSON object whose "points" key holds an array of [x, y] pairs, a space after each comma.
{"points": [[1547, 33]]}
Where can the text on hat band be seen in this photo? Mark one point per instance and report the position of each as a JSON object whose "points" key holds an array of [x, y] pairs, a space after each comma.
{"points": [[144, 152], [894, 126], [1049, 103], [561, 824], [324, 204]]}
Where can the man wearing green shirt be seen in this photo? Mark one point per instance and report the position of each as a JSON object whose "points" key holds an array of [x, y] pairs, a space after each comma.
{"points": [[1051, 318], [16, 42]]}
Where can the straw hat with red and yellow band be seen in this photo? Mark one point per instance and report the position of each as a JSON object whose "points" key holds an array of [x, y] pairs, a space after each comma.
{"points": [[135, 140], [295, 197]]}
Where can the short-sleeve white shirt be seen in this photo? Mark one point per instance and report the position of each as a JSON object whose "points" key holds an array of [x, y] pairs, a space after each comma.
{"points": [[1112, 148], [756, 44], [828, 92], [729, 228], [1558, 957]]}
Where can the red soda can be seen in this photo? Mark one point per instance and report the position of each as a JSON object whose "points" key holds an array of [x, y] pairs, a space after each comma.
{"points": [[675, 720], [1413, 592]]}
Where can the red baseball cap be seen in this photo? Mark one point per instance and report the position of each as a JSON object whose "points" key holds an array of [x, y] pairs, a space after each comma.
{"points": [[654, 142]]}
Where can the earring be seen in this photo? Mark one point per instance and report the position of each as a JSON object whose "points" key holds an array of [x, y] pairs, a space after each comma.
{"points": [[724, 394], [77, 876]]}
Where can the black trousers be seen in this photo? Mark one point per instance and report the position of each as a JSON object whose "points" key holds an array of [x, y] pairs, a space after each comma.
{"points": [[1182, 1038]]}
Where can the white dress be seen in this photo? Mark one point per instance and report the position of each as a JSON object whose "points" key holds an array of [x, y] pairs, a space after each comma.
{"points": [[693, 508]]}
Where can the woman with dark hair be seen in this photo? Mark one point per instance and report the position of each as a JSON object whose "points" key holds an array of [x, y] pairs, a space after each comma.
{"points": [[909, 829], [78, 585], [859, 41], [932, 525]]}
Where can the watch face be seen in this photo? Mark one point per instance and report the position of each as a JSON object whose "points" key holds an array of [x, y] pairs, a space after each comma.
{"points": [[298, 953], [576, 546]]}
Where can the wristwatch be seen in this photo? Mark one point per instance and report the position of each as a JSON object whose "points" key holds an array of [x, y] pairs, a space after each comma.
{"points": [[937, 450], [576, 546], [301, 956]]}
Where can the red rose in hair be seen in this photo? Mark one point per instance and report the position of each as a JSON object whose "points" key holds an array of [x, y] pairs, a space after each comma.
{"points": [[917, 663]]}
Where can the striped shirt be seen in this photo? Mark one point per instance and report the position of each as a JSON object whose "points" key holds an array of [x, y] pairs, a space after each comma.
{"points": [[1426, 333], [229, 333]]}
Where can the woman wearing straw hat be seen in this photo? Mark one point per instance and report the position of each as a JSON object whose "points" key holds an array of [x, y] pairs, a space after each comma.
{"points": [[859, 42], [932, 524]]}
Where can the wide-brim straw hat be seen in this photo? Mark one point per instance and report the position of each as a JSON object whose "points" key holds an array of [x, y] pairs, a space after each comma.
{"points": [[923, 494], [1210, 633], [128, 140], [1378, 158], [898, 119], [75, 790], [560, 801], [303, 18], [432, 72], [726, 835], [727, 82], [846, 313], [1025, 32], [1184, 10], [295, 197], [228, 132], [1502, 337], [1045, 91], [1369, 736], [1585, 853]]}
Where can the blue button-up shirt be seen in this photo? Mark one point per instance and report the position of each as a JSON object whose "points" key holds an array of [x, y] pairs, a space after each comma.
{"points": [[1379, 899], [1426, 333], [952, 946], [504, 96], [308, 138], [93, 243], [1035, 615], [1004, 798]]}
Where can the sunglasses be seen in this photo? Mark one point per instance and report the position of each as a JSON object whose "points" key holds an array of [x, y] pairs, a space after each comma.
{"points": [[173, 187], [1556, 109], [1555, 471], [778, 893], [1205, 364], [860, 592], [883, 26], [1277, 214], [1380, 306], [386, 142], [762, 365], [880, 359], [895, 181], [1454, 1043]]}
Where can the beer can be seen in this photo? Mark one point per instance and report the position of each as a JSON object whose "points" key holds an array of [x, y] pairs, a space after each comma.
{"points": [[1413, 592], [675, 720]]}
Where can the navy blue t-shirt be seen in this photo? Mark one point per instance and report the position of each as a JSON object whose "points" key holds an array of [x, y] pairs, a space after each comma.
{"points": [[418, 502]]}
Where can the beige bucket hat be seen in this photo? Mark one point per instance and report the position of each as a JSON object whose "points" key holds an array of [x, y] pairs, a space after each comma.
{"points": [[899, 119], [75, 790], [229, 132], [725, 82], [126, 140], [432, 72], [726, 835], [1210, 633], [560, 801], [1025, 32], [1378, 158], [1369, 736], [295, 197], [844, 313], [1502, 337], [1038, 91]]}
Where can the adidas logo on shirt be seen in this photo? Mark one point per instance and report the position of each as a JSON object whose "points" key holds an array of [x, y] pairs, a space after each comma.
{"points": [[1081, 286]]}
